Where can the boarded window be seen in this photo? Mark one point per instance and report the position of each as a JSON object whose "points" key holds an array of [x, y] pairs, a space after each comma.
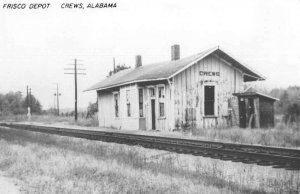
{"points": [[127, 96], [161, 109], [209, 100], [141, 102], [116, 104], [128, 103], [128, 110]]}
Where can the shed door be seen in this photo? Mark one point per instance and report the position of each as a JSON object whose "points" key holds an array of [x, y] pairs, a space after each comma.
{"points": [[251, 113], [242, 110]]}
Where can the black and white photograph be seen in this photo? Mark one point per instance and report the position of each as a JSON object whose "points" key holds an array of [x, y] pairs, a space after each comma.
{"points": [[149, 97]]}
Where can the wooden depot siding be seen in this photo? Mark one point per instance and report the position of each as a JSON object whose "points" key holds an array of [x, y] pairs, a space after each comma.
{"points": [[161, 123], [257, 112], [189, 93], [106, 109], [266, 113], [185, 100], [129, 122], [233, 104], [198, 93]]}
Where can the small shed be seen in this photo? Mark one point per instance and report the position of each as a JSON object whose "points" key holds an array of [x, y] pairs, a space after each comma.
{"points": [[255, 109]]}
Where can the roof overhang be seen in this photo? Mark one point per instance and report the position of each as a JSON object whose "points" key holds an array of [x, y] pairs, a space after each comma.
{"points": [[125, 83], [248, 73], [253, 94]]}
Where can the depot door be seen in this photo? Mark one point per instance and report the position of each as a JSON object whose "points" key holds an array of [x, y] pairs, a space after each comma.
{"points": [[153, 116]]}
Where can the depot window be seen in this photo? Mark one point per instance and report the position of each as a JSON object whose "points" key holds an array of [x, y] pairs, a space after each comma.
{"points": [[116, 104], [128, 103], [161, 109], [161, 100], [152, 92], [209, 100], [141, 102], [161, 92]]}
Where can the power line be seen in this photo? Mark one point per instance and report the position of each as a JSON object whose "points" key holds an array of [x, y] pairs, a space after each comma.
{"points": [[75, 73], [73, 69]]}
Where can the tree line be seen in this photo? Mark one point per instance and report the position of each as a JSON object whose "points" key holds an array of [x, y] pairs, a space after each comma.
{"points": [[289, 102], [14, 103]]}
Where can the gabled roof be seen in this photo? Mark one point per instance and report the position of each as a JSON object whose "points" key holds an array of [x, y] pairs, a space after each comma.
{"points": [[253, 92], [167, 70]]}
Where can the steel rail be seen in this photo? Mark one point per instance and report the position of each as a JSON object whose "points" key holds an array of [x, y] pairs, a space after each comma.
{"points": [[250, 154]]}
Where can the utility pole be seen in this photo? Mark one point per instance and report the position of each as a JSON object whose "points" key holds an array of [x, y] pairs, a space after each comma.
{"points": [[57, 94], [75, 76], [28, 103], [30, 98], [75, 73], [54, 105]]}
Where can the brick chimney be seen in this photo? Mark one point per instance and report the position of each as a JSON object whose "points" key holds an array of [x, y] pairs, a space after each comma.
{"points": [[175, 52], [138, 61]]}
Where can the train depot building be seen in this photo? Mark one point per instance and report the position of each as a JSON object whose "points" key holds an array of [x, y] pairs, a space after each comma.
{"points": [[206, 90]]}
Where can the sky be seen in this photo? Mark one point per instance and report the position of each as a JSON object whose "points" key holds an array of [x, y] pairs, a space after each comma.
{"points": [[36, 45]]}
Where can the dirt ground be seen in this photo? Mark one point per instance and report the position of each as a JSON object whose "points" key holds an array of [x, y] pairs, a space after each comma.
{"points": [[8, 186]]}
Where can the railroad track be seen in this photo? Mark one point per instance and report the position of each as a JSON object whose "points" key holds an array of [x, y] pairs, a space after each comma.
{"points": [[250, 154]]}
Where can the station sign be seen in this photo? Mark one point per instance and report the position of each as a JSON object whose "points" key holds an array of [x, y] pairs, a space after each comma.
{"points": [[209, 73]]}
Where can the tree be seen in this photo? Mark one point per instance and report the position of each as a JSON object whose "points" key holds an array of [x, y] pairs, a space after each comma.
{"points": [[288, 104], [11, 103], [117, 69], [14, 103], [294, 110], [92, 109], [35, 105], [283, 102]]}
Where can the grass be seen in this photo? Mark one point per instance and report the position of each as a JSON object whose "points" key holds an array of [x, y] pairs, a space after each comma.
{"points": [[287, 137], [52, 164], [281, 135], [51, 119]]}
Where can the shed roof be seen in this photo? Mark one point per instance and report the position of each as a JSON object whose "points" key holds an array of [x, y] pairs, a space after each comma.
{"points": [[251, 92], [168, 69]]}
